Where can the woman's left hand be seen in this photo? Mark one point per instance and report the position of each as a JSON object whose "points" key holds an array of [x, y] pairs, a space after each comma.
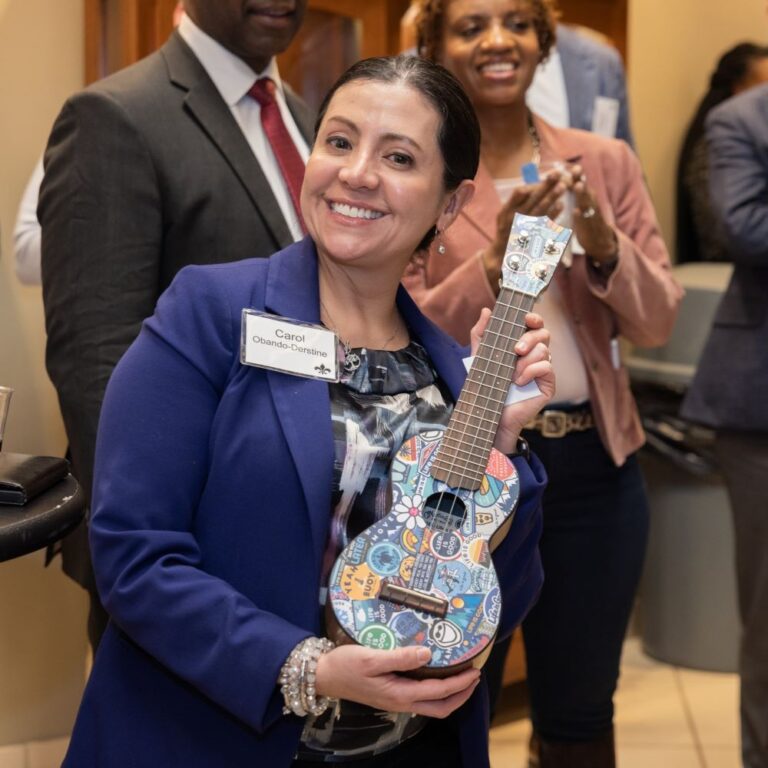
{"points": [[596, 236], [534, 363]]}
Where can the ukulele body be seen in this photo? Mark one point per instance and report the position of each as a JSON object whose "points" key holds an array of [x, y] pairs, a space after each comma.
{"points": [[423, 574]]}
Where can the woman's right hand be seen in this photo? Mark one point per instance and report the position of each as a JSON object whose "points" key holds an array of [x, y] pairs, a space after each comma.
{"points": [[372, 677], [544, 198]]}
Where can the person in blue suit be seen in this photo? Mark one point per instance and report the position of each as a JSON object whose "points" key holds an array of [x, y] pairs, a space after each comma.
{"points": [[735, 401], [595, 84], [223, 490]]}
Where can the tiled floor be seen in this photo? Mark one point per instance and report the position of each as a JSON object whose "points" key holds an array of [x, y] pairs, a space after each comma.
{"points": [[666, 717]]}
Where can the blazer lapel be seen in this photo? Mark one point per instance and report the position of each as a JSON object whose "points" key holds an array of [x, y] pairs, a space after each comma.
{"points": [[580, 76], [303, 405], [208, 108]]}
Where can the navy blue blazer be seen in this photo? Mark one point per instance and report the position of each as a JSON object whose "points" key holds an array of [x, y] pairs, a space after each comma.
{"points": [[592, 69], [212, 502], [730, 388]]}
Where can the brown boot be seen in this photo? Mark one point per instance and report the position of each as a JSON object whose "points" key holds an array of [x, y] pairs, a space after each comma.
{"points": [[584, 754]]}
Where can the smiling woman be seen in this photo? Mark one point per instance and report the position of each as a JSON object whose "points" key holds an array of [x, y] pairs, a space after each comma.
{"points": [[255, 476], [617, 281]]}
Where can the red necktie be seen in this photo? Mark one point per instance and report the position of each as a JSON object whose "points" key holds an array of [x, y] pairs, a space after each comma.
{"points": [[286, 154]]}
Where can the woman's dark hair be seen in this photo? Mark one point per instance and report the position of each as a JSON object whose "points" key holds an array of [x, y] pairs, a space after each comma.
{"points": [[731, 70], [459, 133], [431, 18]]}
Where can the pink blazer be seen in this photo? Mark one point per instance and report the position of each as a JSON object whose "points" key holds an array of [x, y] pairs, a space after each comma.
{"points": [[638, 301]]}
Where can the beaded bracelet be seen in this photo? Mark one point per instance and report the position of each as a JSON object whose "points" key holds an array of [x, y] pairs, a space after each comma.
{"points": [[297, 678]]}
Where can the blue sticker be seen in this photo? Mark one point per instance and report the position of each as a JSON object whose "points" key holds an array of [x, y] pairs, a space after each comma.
{"points": [[452, 578], [492, 605], [384, 558]]}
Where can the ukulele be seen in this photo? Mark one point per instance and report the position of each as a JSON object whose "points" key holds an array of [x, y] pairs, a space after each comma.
{"points": [[423, 574]]}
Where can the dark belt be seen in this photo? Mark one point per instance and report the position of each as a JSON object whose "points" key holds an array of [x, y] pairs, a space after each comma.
{"points": [[553, 423]]}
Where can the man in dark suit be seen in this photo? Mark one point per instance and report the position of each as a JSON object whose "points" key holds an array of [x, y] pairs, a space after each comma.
{"points": [[730, 389], [163, 164]]}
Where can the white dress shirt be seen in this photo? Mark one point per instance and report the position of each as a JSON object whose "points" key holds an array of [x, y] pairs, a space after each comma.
{"points": [[233, 79], [26, 233], [546, 95]]}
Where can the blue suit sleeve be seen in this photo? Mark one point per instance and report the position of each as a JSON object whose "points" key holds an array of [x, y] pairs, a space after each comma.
{"points": [[150, 472], [615, 86], [738, 174]]}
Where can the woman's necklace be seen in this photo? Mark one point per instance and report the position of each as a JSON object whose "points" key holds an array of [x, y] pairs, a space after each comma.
{"points": [[352, 359], [535, 140]]}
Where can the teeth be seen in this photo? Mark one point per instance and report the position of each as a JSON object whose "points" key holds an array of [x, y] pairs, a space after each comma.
{"points": [[499, 66], [355, 213]]}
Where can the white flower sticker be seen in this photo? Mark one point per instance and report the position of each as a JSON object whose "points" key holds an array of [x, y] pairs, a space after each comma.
{"points": [[409, 511]]}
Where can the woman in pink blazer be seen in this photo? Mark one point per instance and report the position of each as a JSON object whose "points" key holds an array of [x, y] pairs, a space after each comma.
{"points": [[615, 283]]}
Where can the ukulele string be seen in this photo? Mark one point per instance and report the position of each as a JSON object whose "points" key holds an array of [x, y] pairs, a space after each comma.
{"points": [[495, 327], [508, 343]]}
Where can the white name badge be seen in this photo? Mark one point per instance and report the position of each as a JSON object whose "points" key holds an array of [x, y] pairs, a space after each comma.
{"points": [[288, 346], [605, 117]]}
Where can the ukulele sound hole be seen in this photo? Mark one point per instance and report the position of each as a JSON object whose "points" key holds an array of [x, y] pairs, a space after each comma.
{"points": [[444, 512]]}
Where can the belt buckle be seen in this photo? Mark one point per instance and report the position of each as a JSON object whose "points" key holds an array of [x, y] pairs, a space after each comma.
{"points": [[554, 423]]}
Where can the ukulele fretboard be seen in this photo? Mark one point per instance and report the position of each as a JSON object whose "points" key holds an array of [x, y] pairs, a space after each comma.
{"points": [[466, 446]]}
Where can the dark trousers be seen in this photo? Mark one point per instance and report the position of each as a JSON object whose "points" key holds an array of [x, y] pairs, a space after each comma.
{"points": [[592, 548], [743, 459]]}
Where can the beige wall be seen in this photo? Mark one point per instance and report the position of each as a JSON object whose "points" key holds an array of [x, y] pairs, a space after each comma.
{"points": [[42, 614], [673, 48]]}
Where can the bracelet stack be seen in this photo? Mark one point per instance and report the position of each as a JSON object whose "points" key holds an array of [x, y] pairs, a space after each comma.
{"points": [[297, 678]]}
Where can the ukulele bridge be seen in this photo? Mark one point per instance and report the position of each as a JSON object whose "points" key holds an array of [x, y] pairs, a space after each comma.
{"points": [[410, 598]]}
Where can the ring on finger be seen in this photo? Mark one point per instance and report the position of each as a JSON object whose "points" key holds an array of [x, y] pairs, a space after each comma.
{"points": [[588, 213]]}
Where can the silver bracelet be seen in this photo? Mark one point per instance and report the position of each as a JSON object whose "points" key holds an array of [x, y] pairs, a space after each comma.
{"points": [[297, 678]]}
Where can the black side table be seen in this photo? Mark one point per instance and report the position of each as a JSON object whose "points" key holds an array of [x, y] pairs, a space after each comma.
{"points": [[47, 518]]}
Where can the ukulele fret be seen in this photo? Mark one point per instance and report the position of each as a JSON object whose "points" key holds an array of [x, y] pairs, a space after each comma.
{"points": [[463, 454], [486, 384], [490, 431]]}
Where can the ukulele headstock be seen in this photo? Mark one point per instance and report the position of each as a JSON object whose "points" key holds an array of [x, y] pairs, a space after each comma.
{"points": [[534, 249]]}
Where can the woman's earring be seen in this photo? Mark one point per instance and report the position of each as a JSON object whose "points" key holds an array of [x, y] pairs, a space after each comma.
{"points": [[440, 243]]}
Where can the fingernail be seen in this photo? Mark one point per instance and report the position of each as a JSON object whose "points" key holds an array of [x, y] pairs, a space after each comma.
{"points": [[424, 654], [521, 348]]}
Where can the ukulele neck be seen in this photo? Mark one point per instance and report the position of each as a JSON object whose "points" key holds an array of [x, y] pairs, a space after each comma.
{"points": [[466, 446]]}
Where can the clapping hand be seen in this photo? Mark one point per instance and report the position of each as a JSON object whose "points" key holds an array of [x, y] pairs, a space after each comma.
{"points": [[595, 235], [544, 198]]}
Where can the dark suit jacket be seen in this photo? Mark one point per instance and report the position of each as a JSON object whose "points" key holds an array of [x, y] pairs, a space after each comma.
{"points": [[145, 172], [591, 69], [730, 389], [212, 501]]}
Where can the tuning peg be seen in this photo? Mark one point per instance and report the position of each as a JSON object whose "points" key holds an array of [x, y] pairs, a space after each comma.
{"points": [[523, 238], [541, 271], [550, 246], [513, 262]]}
